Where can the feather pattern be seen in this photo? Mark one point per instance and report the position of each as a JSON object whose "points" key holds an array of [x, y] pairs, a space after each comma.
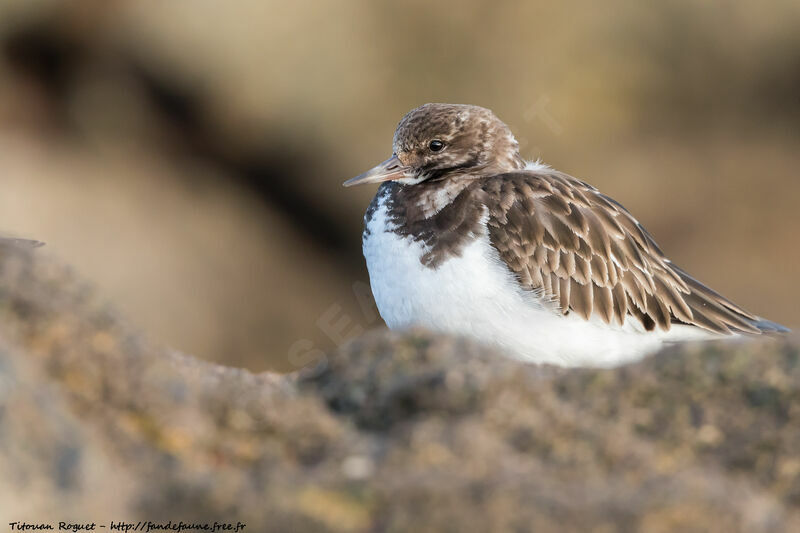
{"points": [[590, 256]]}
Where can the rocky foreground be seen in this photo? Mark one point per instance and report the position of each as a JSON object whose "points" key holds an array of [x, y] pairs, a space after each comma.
{"points": [[391, 433]]}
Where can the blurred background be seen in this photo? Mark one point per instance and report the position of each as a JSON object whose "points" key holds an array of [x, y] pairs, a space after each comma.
{"points": [[187, 156]]}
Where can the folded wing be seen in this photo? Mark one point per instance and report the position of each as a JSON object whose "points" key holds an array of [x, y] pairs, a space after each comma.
{"points": [[588, 255]]}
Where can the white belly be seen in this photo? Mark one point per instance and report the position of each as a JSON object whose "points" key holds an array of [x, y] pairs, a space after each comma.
{"points": [[476, 295]]}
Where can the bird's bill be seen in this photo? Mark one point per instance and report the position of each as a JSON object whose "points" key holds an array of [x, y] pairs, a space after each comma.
{"points": [[391, 169]]}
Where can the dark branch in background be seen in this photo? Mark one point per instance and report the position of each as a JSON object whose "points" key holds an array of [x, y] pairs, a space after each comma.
{"points": [[269, 171], [45, 54], [54, 59]]}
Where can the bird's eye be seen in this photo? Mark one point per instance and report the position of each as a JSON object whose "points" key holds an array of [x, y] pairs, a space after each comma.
{"points": [[436, 145]]}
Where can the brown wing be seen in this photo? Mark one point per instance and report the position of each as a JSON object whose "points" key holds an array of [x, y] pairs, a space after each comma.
{"points": [[588, 255]]}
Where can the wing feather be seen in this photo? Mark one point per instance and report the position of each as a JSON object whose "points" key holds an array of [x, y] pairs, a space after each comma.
{"points": [[587, 254]]}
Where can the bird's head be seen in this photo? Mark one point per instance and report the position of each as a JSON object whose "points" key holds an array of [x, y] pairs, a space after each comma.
{"points": [[438, 140]]}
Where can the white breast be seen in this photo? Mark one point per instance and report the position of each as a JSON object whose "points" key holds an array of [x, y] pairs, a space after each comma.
{"points": [[476, 295]]}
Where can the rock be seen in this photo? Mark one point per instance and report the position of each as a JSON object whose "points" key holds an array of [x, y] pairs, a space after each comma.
{"points": [[410, 432]]}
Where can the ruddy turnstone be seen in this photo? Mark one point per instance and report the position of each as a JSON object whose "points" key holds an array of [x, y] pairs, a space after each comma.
{"points": [[466, 237]]}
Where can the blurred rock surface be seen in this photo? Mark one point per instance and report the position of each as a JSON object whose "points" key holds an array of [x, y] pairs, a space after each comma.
{"points": [[392, 432]]}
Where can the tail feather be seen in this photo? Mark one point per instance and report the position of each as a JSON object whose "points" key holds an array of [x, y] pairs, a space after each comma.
{"points": [[714, 312], [768, 326]]}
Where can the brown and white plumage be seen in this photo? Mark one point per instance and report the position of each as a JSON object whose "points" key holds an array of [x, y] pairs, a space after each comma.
{"points": [[459, 207], [589, 255]]}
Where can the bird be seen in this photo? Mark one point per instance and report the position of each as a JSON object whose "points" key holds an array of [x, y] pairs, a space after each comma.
{"points": [[465, 237]]}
